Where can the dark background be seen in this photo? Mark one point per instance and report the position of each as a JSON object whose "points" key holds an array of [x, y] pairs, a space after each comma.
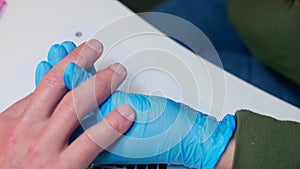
{"points": [[141, 5]]}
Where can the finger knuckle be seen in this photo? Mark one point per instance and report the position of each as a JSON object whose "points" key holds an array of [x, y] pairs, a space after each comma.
{"points": [[102, 86], [114, 124], [12, 140], [53, 80], [81, 60], [69, 106], [80, 56], [34, 152], [88, 143]]}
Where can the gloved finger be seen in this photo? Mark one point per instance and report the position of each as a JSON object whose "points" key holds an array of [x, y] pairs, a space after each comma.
{"points": [[52, 88], [74, 106], [41, 70], [69, 46], [92, 70], [99, 137], [56, 54], [75, 76]]}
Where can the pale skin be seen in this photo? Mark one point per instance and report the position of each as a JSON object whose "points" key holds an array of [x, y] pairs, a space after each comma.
{"points": [[34, 131], [226, 161]]}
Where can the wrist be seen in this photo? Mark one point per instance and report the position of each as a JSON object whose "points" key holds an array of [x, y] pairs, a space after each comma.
{"points": [[218, 142], [226, 160]]}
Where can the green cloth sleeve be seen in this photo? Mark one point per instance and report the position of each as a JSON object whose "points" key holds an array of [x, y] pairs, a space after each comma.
{"points": [[271, 30], [264, 142]]}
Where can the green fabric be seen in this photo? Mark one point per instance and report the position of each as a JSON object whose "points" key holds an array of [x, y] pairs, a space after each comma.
{"points": [[263, 142], [271, 30]]}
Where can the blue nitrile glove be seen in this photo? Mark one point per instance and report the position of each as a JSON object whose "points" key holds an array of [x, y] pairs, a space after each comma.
{"points": [[173, 134], [56, 53], [164, 131]]}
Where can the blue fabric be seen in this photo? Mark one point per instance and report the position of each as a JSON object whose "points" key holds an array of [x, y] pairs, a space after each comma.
{"points": [[210, 16]]}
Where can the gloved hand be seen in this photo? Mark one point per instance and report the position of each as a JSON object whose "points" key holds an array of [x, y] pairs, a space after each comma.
{"points": [[56, 53], [164, 131]]}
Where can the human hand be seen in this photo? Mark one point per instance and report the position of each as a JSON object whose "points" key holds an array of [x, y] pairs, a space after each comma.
{"points": [[56, 53], [164, 131], [34, 132]]}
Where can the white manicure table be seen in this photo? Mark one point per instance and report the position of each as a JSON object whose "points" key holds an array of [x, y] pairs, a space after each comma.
{"points": [[28, 28]]}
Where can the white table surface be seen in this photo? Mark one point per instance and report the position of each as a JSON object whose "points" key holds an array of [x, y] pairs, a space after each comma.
{"points": [[28, 28]]}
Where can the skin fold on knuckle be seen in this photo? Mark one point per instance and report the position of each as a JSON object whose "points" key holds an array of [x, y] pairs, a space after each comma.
{"points": [[34, 152], [102, 88], [82, 60], [115, 79], [107, 81], [89, 144], [53, 80], [10, 148], [116, 122], [67, 106], [12, 139]]}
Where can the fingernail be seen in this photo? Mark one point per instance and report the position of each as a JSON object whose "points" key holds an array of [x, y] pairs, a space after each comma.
{"points": [[127, 112], [95, 45], [118, 68]]}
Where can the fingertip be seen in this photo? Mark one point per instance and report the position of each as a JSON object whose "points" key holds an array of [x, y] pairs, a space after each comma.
{"points": [[95, 45], [56, 54], [69, 46]]}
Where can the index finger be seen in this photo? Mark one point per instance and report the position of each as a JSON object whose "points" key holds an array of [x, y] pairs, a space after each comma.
{"points": [[52, 88]]}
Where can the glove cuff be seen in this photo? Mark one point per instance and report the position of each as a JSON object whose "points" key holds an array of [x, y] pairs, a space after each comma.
{"points": [[219, 141]]}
